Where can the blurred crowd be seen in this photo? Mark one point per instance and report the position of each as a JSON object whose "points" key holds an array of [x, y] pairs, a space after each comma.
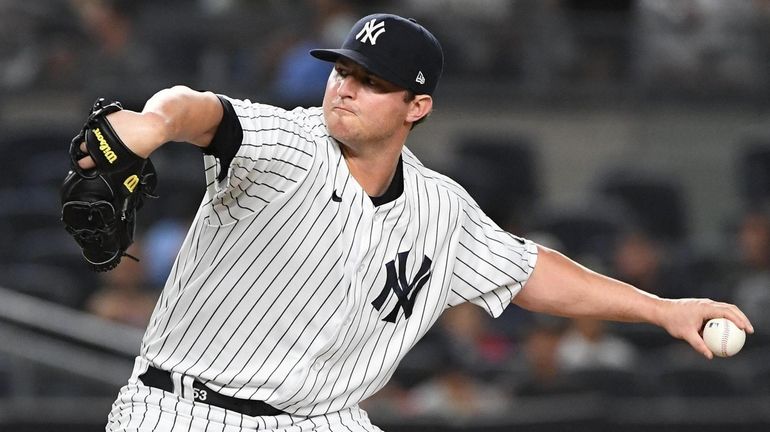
{"points": [[130, 48], [469, 364]]}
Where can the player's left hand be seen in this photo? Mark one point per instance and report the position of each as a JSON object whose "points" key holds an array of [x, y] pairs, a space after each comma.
{"points": [[100, 200], [684, 319]]}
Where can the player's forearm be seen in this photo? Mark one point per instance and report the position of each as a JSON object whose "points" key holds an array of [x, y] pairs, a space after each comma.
{"points": [[559, 286], [182, 114], [174, 114]]}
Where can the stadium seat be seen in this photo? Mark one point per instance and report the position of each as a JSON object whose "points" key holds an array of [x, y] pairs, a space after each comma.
{"points": [[589, 229], [753, 170], [499, 172], [656, 202], [698, 381], [45, 282], [614, 382]]}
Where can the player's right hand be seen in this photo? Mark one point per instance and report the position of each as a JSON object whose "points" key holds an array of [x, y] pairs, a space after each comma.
{"points": [[684, 319]]}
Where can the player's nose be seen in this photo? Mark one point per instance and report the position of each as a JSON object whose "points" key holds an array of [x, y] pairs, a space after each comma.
{"points": [[347, 87]]}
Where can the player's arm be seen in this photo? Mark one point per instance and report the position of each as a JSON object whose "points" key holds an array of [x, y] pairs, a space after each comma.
{"points": [[174, 114], [560, 286]]}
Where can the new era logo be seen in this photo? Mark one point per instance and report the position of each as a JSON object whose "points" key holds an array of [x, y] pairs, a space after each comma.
{"points": [[371, 31], [420, 78]]}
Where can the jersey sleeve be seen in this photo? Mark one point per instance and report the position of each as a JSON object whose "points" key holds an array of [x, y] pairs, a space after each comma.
{"points": [[258, 153], [491, 265]]}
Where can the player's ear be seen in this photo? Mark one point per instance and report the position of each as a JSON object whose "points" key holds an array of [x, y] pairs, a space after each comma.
{"points": [[419, 107]]}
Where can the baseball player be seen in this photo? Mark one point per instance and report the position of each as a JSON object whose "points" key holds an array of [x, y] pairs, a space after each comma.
{"points": [[323, 250]]}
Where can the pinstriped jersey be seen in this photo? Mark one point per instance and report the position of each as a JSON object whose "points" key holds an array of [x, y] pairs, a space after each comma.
{"points": [[293, 288]]}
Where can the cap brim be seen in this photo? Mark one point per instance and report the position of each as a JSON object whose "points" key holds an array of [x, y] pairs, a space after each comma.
{"points": [[329, 55], [332, 55]]}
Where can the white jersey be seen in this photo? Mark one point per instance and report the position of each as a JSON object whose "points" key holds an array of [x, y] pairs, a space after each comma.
{"points": [[293, 288]]}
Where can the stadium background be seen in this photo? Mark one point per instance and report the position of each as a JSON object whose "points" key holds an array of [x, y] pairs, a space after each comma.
{"points": [[631, 134]]}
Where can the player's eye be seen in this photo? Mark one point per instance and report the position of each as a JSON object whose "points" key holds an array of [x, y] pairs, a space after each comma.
{"points": [[342, 71], [372, 82]]}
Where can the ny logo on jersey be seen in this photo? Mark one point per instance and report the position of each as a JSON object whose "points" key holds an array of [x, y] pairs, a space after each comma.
{"points": [[371, 31], [401, 287]]}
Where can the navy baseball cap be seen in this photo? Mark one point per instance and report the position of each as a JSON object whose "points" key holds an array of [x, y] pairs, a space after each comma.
{"points": [[396, 49]]}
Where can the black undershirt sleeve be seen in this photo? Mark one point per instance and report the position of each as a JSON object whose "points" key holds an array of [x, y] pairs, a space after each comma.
{"points": [[227, 139]]}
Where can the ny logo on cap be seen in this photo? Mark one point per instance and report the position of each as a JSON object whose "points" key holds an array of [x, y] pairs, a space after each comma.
{"points": [[371, 31]]}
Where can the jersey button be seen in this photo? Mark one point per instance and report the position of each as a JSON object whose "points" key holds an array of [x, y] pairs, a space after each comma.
{"points": [[361, 268], [318, 365]]}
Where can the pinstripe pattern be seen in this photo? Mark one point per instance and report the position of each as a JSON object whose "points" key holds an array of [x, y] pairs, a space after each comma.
{"points": [[142, 408], [271, 295]]}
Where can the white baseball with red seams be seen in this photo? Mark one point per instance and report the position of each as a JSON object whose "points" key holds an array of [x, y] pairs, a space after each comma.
{"points": [[723, 337]]}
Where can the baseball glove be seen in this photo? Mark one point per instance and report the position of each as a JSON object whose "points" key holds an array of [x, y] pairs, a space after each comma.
{"points": [[99, 205]]}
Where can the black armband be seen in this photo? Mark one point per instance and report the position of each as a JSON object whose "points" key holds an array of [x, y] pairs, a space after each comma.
{"points": [[227, 139]]}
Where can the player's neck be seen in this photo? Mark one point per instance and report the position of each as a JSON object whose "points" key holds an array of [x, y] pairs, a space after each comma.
{"points": [[372, 170]]}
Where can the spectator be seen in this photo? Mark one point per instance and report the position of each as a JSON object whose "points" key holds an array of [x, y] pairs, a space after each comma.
{"points": [[468, 331], [299, 79], [641, 260], [752, 286], [600, 33], [458, 354], [117, 54], [587, 344], [38, 45], [478, 41], [123, 296], [457, 390], [457, 393], [699, 45], [544, 375], [163, 240]]}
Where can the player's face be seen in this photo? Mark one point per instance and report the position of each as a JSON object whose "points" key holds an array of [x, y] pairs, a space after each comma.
{"points": [[361, 108]]}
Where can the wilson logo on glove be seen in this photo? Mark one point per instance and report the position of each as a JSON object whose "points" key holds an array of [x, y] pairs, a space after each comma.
{"points": [[104, 147], [131, 182]]}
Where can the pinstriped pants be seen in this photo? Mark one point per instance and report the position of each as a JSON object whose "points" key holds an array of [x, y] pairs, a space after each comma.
{"points": [[140, 408]]}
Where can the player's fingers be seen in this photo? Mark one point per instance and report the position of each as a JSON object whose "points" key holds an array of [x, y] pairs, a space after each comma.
{"points": [[743, 321], [696, 341], [734, 314], [86, 163]]}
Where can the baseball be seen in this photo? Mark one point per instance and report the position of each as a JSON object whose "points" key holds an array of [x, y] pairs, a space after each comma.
{"points": [[723, 337]]}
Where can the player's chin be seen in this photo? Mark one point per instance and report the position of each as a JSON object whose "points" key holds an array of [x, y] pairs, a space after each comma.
{"points": [[341, 130]]}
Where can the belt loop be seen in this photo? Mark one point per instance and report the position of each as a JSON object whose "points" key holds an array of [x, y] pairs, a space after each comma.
{"points": [[187, 387], [176, 380], [140, 366]]}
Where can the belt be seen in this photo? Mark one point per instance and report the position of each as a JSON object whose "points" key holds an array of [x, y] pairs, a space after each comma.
{"points": [[161, 379]]}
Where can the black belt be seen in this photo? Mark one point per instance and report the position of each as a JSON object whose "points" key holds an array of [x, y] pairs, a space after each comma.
{"points": [[161, 379]]}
